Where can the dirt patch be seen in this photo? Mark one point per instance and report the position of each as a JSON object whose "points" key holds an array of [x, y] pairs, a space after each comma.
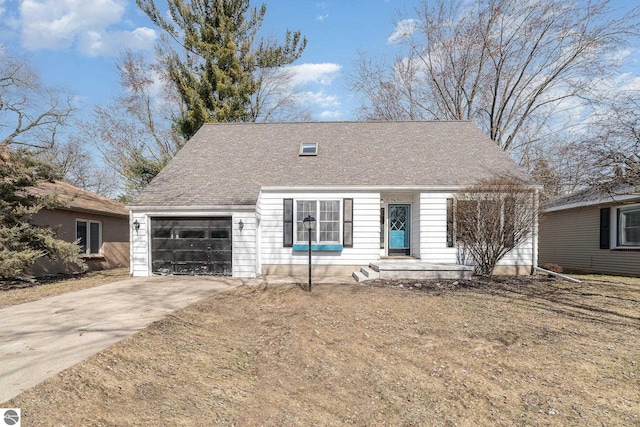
{"points": [[524, 351], [14, 292]]}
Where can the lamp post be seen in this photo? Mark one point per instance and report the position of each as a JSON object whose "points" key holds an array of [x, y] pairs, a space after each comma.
{"points": [[309, 222]]}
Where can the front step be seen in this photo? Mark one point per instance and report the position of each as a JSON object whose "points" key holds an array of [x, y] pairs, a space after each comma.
{"points": [[365, 273]]}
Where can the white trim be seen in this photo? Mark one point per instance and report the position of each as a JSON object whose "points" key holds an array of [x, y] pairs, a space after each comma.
{"points": [[193, 209], [317, 216], [356, 188], [617, 236], [600, 201]]}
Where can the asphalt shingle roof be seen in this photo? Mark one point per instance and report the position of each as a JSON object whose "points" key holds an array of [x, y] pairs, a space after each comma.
{"points": [[76, 199], [227, 164]]}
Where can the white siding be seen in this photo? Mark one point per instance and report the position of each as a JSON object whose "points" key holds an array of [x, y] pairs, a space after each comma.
{"points": [[366, 230], [433, 235], [433, 229], [243, 242], [140, 248]]}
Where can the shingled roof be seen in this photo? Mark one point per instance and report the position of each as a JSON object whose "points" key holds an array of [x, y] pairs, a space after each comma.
{"points": [[75, 199], [227, 164]]}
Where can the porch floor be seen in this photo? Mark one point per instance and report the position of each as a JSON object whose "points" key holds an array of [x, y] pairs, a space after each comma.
{"points": [[405, 268]]}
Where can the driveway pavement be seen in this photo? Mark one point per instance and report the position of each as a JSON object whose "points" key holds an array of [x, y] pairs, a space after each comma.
{"points": [[41, 338]]}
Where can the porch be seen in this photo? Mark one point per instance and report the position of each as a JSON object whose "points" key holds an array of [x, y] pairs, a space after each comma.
{"points": [[407, 268]]}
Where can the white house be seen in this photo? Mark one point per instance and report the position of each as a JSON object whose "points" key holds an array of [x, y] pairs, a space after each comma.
{"points": [[233, 199]]}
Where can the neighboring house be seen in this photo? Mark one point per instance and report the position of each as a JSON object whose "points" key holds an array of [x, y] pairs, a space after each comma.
{"points": [[590, 231], [233, 200], [100, 225]]}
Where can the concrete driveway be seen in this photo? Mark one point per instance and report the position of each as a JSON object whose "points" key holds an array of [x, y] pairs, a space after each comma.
{"points": [[41, 338]]}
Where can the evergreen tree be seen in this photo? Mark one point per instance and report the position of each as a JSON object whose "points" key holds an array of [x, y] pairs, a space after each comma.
{"points": [[21, 242], [218, 72]]}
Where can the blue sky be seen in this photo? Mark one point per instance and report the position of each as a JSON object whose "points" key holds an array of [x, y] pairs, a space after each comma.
{"points": [[73, 43]]}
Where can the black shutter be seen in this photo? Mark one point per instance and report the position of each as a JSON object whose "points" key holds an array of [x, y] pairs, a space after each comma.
{"points": [[509, 213], [449, 223], [347, 223], [604, 228], [287, 223]]}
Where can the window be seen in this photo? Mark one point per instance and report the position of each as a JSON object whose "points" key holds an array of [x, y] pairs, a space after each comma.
{"points": [[89, 234], [629, 226], [334, 221], [308, 149], [327, 215]]}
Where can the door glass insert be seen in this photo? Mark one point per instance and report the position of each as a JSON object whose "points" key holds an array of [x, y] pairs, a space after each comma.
{"points": [[398, 228]]}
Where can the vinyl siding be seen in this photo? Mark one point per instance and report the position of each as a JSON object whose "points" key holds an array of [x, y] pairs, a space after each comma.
{"points": [[571, 239], [366, 230], [433, 235], [243, 242]]}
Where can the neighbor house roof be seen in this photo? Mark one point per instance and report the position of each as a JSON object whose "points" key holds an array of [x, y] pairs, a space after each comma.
{"points": [[75, 199], [592, 196], [228, 164]]}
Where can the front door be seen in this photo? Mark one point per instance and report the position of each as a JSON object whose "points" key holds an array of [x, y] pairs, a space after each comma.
{"points": [[399, 229]]}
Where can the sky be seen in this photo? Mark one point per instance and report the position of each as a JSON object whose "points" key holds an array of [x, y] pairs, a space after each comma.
{"points": [[74, 43]]}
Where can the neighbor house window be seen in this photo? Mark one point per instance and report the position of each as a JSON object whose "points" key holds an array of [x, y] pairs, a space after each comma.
{"points": [[89, 235], [327, 215], [629, 226]]}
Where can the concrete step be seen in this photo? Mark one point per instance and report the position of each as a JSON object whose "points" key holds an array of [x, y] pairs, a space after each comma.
{"points": [[365, 273], [401, 269], [359, 277], [370, 273]]}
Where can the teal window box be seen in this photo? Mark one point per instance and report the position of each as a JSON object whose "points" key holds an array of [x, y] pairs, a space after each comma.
{"points": [[318, 247]]}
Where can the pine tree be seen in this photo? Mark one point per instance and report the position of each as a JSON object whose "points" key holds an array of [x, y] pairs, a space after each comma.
{"points": [[217, 75], [21, 242]]}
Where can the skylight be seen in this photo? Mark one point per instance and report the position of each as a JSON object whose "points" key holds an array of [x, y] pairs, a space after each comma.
{"points": [[309, 149]]}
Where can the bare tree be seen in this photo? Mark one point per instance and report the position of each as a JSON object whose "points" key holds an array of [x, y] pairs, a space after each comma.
{"points": [[31, 115], [76, 164], [492, 218], [614, 146], [510, 66], [134, 132], [276, 98]]}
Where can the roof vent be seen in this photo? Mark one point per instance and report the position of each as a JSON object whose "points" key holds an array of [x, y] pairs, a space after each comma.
{"points": [[309, 149]]}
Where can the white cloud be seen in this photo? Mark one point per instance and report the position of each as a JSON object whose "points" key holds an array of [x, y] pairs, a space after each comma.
{"points": [[318, 99], [330, 115], [96, 43], [322, 17], [89, 25], [404, 29], [322, 74]]}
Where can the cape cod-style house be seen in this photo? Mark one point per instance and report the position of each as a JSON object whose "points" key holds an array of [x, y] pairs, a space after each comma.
{"points": [[232, 201]]}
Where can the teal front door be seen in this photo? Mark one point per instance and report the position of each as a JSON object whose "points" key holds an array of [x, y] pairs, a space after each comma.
{"points": [[399, 229]]}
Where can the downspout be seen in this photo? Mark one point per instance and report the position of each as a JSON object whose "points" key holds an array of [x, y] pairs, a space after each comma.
{"points": [[534, 235]]}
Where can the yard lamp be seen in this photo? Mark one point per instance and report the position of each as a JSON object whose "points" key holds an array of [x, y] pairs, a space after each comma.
{"points": [[309, 222], [136, 225]]}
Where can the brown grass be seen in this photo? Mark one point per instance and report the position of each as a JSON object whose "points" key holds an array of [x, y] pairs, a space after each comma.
{"points": [[510, 352], [13, 292]]}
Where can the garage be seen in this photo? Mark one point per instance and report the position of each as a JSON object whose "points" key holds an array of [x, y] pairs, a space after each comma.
{"points": [[194, 246]]}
